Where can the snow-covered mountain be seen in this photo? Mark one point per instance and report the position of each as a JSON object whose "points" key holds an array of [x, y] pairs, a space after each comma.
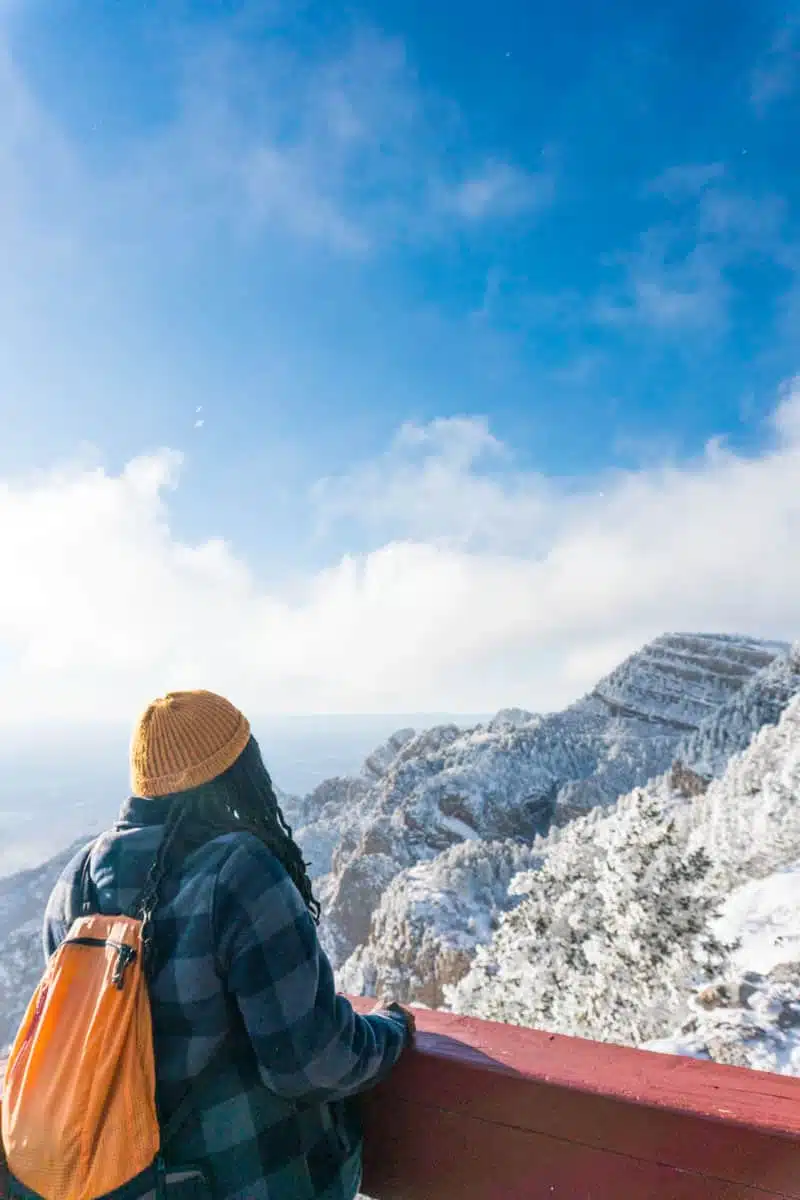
{"points": [[428, 862], [631, 927], [516, 776], [729, 729], [681, 679], [431, 919]]}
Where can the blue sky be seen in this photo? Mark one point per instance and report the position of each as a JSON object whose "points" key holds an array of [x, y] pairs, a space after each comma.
{"points": [[393, 275]]}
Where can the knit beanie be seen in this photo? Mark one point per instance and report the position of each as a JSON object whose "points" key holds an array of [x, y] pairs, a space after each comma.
{"points": [[185, 739]]}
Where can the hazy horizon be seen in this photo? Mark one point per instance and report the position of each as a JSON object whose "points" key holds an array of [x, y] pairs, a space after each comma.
{"points": [[60, 782]]}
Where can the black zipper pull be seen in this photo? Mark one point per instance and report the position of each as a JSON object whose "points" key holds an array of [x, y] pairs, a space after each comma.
{"points": [[125, 956]]}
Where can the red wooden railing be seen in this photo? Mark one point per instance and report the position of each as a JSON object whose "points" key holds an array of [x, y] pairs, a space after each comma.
{"points": [[480, 1111], [492, 1112]]}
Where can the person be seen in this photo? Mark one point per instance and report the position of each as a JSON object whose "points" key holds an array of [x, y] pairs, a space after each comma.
{"points": [[236, 974]]}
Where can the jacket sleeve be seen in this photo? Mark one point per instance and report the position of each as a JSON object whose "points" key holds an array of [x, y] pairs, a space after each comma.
{"points": [[309, 1042]]}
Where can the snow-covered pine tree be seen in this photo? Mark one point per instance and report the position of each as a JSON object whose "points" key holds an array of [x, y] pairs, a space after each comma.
{"points": [[610, 937], [749, 820]]}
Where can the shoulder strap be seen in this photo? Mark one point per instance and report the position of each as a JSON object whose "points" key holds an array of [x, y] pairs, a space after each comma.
{"points": [[188, 1104]]}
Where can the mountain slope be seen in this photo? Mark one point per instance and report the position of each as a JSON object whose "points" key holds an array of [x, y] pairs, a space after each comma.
{"points": [[680, 679], [748, 821], [628, 913], [422, 931], [515, 776], [750, 1017], [729, 729], [431, 919]]}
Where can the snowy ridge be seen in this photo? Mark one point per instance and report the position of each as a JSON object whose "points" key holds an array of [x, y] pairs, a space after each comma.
{"points": [[630, 929], [521, 773], [680, 679], [749, 820], [728, 731]]}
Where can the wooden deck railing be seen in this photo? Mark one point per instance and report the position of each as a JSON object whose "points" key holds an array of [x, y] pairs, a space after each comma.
{"points": [[480, 1111]]}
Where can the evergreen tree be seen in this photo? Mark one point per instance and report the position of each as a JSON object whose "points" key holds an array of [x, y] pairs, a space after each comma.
{"points": [[612, 932]]}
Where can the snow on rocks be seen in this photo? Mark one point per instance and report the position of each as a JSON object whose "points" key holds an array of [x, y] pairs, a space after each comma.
{"points": [[631, 927], [730, 728], [381, 759], [763, 917], [749, 1020], [430, 920], [750, 1016], [516, 776]]}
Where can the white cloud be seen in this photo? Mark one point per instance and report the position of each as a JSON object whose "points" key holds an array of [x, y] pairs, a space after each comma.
{"points": [[480, 589], [498, 190], [434, 485], [281, 187], [666, 293], [776, 75], [685, 179], [343, 150], [681, 275]]}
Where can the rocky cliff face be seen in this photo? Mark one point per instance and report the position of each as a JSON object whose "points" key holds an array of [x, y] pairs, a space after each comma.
{"points": [[681, 679], [521, 773], [730, 728], [431, 918]]}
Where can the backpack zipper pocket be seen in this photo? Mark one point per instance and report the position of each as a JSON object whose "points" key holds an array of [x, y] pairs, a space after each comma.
{"points": [[125, 954]]}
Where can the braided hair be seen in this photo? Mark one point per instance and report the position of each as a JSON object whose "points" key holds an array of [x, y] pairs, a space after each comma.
{"points": [[240, 800]]}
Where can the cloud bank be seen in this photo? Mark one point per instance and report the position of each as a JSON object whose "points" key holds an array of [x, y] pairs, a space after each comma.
{"points": [[482, 586]]}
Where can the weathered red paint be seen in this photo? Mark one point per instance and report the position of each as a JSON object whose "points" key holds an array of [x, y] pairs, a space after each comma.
{"points": [[492, 1112]]}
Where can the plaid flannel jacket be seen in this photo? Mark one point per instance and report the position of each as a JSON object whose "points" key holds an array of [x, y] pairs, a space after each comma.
{"points": [[237, 957]]}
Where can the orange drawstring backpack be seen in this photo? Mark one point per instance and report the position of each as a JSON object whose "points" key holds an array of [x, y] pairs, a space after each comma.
{"points": [[79, 1112]]}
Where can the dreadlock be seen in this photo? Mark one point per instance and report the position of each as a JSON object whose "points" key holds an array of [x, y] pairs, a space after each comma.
{"points": [[241, 800]]}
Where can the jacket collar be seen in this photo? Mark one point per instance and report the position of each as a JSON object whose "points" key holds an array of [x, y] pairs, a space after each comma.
{"points": [[138, 811]]}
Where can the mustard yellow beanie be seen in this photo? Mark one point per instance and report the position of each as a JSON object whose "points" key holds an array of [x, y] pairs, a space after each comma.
{"points": [[184, 739]]}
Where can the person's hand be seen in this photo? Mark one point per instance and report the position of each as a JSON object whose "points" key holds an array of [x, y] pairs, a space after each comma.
{"points": [[391, 1006]]}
